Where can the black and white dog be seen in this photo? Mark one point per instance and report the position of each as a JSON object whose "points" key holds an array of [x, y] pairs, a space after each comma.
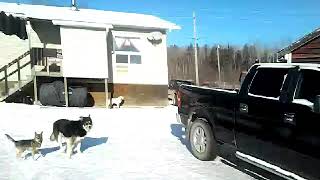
{"points": [[72, 132]]}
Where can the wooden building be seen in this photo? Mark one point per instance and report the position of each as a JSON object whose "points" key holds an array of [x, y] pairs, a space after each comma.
{"points": [[305, 50]]}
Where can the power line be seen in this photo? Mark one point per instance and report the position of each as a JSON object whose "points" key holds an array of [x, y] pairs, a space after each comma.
{"points": [[238, 18]]}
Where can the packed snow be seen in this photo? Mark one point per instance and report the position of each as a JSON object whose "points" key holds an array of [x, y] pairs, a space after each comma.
{"points": [[125, 143]]}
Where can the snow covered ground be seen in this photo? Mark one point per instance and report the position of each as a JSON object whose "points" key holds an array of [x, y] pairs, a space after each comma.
{"points": [[131, 143]]}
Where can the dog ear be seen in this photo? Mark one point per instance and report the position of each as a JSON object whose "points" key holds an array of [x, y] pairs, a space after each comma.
{"points": [[89, 115], [41, 132], [81, 117]]}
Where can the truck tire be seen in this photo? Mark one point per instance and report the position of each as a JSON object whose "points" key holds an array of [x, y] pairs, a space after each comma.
{"points": [[202, 142]]}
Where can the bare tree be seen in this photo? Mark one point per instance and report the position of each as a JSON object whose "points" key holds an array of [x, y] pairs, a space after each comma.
{"points": [[232, 60]]}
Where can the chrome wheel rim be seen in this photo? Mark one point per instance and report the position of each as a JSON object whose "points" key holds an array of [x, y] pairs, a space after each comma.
{"points": [[199, 140]]}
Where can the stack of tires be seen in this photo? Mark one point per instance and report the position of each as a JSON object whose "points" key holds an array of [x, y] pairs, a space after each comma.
{"points": [[78, 96], [52, 94]]}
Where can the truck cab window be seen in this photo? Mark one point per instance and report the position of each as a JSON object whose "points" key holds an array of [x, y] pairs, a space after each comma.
{"points": [[308, 87], [268, 82]]}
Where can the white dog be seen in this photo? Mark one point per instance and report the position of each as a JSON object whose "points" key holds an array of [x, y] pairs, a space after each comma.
{"points": [[117, 101]]}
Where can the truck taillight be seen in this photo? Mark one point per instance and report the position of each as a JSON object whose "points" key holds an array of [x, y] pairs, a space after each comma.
{"points": [[179, 99]]}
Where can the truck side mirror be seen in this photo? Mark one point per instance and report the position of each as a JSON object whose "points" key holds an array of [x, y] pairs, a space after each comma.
{"points": [[316, 104]]}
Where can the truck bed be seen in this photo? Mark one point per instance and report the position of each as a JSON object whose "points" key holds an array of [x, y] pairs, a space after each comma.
{"points": [[195, 98]]}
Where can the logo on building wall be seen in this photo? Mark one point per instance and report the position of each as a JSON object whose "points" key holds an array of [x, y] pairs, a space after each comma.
{"points": [[155, 38]]}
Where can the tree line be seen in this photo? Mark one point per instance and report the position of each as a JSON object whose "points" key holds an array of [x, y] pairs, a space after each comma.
{"points": [[233, 60]]}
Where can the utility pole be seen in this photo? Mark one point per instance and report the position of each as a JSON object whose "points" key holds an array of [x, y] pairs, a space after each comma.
{"points": [[218, 58], [195, 48], [74, 5]]}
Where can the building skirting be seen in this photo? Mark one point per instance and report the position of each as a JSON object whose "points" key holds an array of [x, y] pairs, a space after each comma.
{"points": [[141, 94], [134, 94]]}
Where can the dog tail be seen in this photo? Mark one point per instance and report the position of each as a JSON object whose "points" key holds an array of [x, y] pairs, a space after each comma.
{"points": [[55, 132], [10, 138], [52, 138]]}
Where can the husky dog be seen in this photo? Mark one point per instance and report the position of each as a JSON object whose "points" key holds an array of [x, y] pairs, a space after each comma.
{"points": [[72, 132], [30, 144], [117, 101]]}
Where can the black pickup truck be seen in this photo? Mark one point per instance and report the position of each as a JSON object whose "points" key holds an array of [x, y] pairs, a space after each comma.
{"points": [[273, 120]]}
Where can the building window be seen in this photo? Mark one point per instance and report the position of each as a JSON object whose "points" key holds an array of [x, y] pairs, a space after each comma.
{"points": [[135, 59], [120, 58], [126, 50], [123, 58]]}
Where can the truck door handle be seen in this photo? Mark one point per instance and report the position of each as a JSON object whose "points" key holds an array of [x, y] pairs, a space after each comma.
{"points": [[289, 118], [243, 108]]}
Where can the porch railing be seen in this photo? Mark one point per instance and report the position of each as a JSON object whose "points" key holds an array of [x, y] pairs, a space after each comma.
{"points": [[18, 69], [43, 59]]}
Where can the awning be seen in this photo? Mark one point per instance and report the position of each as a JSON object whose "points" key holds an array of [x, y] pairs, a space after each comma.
{"points": [[10, 25]]}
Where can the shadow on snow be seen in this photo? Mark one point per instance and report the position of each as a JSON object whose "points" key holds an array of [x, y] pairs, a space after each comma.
{"points": [[86, 143], [227, 154]]}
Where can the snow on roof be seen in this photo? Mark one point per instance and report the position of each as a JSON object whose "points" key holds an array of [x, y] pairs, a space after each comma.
{"points": [[120, 19], [300, 42]]}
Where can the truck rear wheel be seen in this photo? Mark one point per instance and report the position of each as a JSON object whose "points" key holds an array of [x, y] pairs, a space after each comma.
{"points": [[202, 142]]}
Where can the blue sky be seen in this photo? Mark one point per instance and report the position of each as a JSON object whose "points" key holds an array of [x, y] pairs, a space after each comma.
{"points": [[268, 22]]}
